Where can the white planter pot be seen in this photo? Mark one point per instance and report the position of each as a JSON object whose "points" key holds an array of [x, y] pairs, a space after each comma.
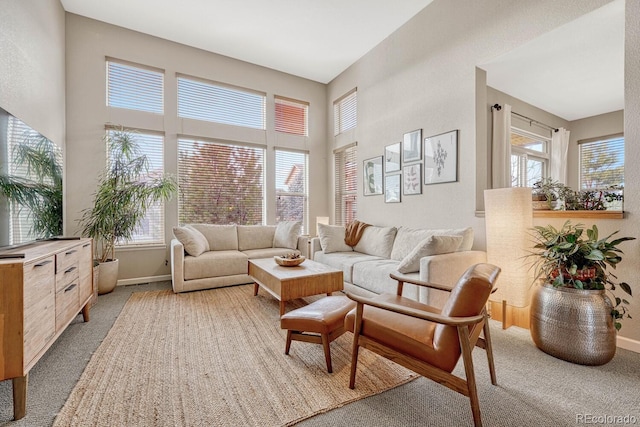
{"points": [[107, 276]]}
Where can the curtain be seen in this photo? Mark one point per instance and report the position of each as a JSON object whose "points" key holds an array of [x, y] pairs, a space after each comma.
{"points": [[559, 149], [501, 147]]}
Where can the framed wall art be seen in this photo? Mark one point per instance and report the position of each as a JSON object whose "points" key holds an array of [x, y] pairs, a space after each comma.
{"points": [[411, 146], [392, 188], [392, 158], [441, 158], [412, 179], [372, 174]]}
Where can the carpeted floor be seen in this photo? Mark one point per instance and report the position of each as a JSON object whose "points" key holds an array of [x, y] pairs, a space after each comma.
{"points": [[534, 389]]}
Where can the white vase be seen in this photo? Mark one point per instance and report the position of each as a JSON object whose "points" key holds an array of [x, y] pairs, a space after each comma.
{"points": [[108, 276]]}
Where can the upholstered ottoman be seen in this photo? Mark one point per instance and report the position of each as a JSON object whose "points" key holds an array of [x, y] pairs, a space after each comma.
{"points": [[324, 319]]}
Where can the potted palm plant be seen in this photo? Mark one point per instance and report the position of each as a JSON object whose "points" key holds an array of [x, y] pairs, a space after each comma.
{"points": [[572, 315], [126, 189]]}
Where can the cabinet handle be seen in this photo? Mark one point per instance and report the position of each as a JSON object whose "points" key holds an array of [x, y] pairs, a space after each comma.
{"points": [[86, 245], [43, 263], [73, 251], [70, 287], [69, 270]]}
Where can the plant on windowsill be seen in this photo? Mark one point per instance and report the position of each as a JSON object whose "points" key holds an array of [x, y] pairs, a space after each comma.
{"points": [[571, 315], [126, 190]]}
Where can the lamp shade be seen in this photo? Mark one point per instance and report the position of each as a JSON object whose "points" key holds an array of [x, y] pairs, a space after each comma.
{"points": [[509, 218], [321, 220]]}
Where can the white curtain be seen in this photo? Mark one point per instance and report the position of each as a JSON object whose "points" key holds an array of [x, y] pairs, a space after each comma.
{"points": [[501, 147], [559, 149]]}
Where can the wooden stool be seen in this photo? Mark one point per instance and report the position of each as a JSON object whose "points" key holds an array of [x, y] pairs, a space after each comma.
{"points": [[324, 317]]}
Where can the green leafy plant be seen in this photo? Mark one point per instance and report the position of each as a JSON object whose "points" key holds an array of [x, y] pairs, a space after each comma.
{"points": [[575, 257], [125, 191]]}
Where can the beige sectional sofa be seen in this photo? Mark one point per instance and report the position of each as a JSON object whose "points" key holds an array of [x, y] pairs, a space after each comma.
{"points": [[437, 256], [207, 256]]}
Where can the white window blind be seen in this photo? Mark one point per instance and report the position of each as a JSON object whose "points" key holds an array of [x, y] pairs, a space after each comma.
{"points": [[346, 197], [221, 104], [134, 88], [291, 116], [602, 163], [151, 229], [291, 186], [220, 183], [345, 112]]}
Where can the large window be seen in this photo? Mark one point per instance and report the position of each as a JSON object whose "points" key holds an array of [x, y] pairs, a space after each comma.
{"points": [[220, 183], [602, 163], [529, 158], [134, 88], [346, 183], [345, 112], [291, 116], [150, 231], [219, 103], [291, 186]]}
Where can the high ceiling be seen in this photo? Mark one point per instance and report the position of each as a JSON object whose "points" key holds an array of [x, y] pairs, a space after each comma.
{"points": [[573, 72]]}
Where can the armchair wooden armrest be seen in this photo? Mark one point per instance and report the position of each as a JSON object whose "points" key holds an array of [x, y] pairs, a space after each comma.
{"points": [[420, 314], [402, 280]]}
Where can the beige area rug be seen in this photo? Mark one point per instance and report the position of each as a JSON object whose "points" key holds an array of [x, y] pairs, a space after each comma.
{"points": [[215, 358]]}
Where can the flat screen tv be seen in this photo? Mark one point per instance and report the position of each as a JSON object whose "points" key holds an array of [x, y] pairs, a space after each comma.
{"points": [[30, 184]]}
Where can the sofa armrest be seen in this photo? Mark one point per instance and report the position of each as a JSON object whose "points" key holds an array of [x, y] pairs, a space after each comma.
{"points": [[177, 266], [314, 246], [303, 245]]}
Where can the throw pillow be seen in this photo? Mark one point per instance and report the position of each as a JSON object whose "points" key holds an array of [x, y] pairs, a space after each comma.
{"points": [[194, 242], [432, 245], [332, 238], [286, 235]]}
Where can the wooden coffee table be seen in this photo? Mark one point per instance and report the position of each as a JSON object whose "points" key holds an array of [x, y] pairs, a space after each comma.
{"points": [[287, 283]]}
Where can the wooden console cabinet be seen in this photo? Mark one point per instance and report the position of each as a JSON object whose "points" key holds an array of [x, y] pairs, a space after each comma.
{"points": [[40, 294]]}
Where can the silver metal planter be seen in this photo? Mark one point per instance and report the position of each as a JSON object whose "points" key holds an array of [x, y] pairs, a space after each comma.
{"points": [[573, 324]]}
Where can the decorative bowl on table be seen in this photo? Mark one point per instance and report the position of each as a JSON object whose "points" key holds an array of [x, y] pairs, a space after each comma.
{"points": [[285, 261]]}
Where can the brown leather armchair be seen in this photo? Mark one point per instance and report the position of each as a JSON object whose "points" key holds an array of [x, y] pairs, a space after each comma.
{"points": [[425, 339]]}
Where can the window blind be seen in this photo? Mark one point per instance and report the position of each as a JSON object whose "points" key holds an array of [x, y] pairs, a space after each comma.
{"points": [[220, 183], [345, 112], [134, 88], [221, 104], [291, 186], [602, 163], [346, 197], [291, 116], [151, 229]]}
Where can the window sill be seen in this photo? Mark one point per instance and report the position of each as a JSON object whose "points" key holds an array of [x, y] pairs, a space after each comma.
{"points": [[578, 214]]}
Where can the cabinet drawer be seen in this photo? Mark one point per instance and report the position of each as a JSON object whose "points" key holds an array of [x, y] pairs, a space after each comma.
{"points": [[39, 281], [39, 327], [67, 258], [66, 277], [66, 304]]}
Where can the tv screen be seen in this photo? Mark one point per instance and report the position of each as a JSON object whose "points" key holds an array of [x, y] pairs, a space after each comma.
{"points": [[30, 184]]}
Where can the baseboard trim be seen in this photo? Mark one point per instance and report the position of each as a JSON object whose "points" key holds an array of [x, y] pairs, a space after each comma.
{"points": [[139, 280], [628, 344]]}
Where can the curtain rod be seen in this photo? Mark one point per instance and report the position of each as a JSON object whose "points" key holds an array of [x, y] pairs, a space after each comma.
{"points": [[499, 107]]}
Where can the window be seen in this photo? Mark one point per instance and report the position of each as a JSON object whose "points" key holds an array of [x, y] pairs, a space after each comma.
{"points": [[602, 163], [220, 183], [291, 187], [134, 88], [346, 170], [151, 229], [219, 103], [529, 157], [291, 116], [345, 114]]}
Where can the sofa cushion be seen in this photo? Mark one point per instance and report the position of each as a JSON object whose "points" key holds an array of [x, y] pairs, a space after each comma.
{"points": [[220, 237], [376, 241], [332, 238], [255, 236], [408, 238], [286, 234], [214, 264], [432, 245], [193, 241], [373, 275], [268, 252], [343, 261]]}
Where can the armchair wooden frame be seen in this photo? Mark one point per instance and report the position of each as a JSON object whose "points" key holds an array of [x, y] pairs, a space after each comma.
{"points": [[469, 329]]}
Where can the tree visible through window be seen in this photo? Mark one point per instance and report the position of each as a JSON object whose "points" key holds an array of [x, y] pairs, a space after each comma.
{"points": [[602, 163], [291, 186]]}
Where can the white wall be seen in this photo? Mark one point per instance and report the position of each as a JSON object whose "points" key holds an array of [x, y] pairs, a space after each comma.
{"points": [[424, 76], [89, 42]]}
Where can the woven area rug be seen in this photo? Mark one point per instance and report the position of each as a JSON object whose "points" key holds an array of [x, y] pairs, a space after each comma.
{"points": [[215, 358]]}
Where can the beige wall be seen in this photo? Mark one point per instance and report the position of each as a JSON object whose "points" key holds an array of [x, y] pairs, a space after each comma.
{"points": [[89, 42], [424, 76]]}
